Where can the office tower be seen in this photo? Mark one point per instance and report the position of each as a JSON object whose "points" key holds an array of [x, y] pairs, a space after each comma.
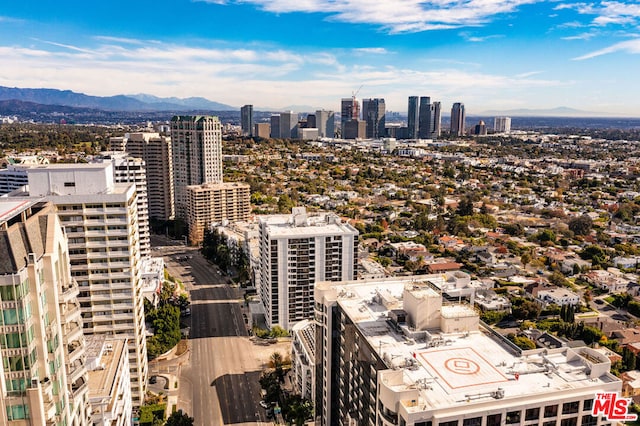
{"points": [[216, 203], [424, 118], [43, 379], [390, 352], [262, 130], [457, 119], [436, 120], [373, 111], [109, 381], [502, 124], [196, 145], [312, 123], [101, 223], [349, 110], [296, 251], [275, 126], [413, 117], [354, 129], [246, 120], [288, 125], [480, 129], [325, 122], [128, 169], [155, 150]]}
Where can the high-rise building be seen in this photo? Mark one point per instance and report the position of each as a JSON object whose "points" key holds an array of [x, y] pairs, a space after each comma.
{"points": [[373, 112], [413, 117], [155, 150], [127, 169], [246, 120], [275, 126], [196, 145], [288, 125], [296, 251], [480, 129], [390, 352], [312, 123], [457, 119], [349, 110], [436, 120], [262, 130], [101, 222], [354, 129], [424, 118], [216, 203], [325, 122], [502, 124], [12, 178], [43, 378]]}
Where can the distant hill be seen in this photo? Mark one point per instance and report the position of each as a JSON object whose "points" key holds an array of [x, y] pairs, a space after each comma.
{"points": [[15, 107], [552, 112], [140, 102]]}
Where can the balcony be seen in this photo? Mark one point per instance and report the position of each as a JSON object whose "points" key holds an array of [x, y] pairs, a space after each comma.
{"points": [[69, 291]]}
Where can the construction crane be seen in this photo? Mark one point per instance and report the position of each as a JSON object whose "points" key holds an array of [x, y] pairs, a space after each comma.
{"points": [[354, 94]]}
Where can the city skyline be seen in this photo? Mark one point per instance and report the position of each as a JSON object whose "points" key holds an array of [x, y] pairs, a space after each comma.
{"points": [[498, 55]]}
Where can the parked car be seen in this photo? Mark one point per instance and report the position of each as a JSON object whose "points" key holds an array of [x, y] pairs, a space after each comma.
{"points": [[264, 404]]}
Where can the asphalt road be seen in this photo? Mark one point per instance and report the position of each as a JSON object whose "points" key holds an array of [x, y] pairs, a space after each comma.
{"points": [[221, 382]]}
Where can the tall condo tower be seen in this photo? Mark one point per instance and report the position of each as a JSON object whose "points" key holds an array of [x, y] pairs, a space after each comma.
{"points": [[457, 119], [502, 124], [196, 144], [246, 120], [373, 111], [155, 150], [296, 251], [424, 119], [413, 117], [43, 377]]}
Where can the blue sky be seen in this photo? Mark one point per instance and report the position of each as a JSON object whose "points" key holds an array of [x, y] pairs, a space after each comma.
{"points": [[489, 54]]}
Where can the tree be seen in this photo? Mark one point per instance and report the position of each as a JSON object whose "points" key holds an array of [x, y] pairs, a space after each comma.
{"points": [[178, 418], [581, 225]]}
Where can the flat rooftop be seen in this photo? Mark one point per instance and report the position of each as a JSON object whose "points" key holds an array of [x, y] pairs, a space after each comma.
{"points": [[458, 368], [109, 352], [10, 208], [322, 225]]}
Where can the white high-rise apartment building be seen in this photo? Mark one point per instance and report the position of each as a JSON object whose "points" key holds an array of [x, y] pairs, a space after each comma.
{"points": [[127, 169], [502, 124], [296, 251], [196, 146], [43, 378], [101, 222], [12, 178], [390, 352], [155, 150]]}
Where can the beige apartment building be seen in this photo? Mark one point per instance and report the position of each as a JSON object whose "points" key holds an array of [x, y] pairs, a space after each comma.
{"points": [[43, 379], [101, 223], [215, 203]]}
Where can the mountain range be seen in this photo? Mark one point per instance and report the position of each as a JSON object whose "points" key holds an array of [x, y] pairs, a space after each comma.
{"points": [[139, 102]]}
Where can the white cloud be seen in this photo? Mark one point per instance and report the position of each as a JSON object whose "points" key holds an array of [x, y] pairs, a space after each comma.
{"points": [[629, 46], [396, 16], [371, 50], [606, 12], [260, 76]]}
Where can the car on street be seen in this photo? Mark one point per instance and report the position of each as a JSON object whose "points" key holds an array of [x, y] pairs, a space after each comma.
{"points": [[264, 404]]}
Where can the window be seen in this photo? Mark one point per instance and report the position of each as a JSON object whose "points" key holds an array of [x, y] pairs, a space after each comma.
{"points": [[494, 420], [513, 417], [476, 421], [570, 407], [450, 423], [69, 184], [532, 414], [588, 405], [551, 411], [549, 423], [573, 421]]}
